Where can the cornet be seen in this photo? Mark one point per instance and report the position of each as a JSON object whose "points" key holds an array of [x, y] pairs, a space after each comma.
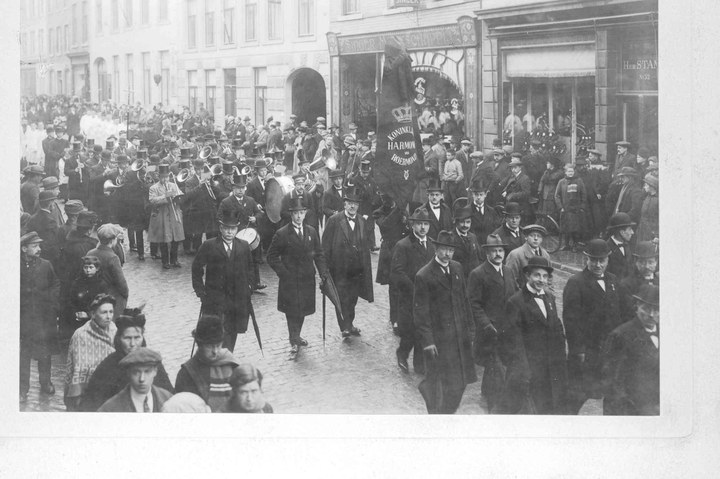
{"points": [[183, 175], [138, 164], [205, 153]]}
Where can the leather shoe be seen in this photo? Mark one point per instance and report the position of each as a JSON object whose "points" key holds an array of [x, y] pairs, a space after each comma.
{"points": [[294, 349], [141, 257], [402, 362], [301, 342], [48, 389], [166, 266], [260, 286], [354, 331], [176, 265], [346, 333]]}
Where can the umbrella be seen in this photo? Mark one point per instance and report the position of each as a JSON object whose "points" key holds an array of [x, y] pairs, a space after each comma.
{"points": [[255, 327], [192, 351], [328, 289]]}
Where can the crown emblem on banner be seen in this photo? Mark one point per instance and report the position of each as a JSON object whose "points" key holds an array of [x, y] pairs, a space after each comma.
{"points": [[403, 113]]}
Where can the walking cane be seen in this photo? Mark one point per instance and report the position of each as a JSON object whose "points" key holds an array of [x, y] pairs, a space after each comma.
{"points": [[324, 298], [192, 351]]}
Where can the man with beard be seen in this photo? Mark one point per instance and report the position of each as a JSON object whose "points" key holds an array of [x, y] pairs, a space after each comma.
{"points": [[591, 310]]}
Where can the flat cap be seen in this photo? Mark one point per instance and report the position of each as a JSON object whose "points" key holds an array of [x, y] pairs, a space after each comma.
{"points": [[109, 231], [141, 356], [73, 207], [30, 238]]}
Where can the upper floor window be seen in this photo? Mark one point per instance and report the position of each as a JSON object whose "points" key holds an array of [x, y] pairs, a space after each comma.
{"points": [[306, 17], [228, 22], [349, 6], [250, 18], [274, 20]]}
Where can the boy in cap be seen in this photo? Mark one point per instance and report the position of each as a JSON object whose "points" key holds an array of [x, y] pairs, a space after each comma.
{"points": [[39, 307], [591, 309], [30, 188], [110, 268], [140, 395], [518, 258], [631, 360], [532, 338], [208, 372]]}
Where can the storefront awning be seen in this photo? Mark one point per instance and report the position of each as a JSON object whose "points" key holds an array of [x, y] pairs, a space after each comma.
{"points": [[551, 62]]}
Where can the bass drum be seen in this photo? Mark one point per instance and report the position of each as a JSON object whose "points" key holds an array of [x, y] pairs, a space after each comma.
{"points": [[275, 189], [251, 236]]}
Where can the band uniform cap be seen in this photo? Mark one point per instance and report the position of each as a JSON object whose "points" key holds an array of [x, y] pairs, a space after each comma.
{"points": [[86, 219], [46, 196], [163, 169], [515, 162], [444, 238], [34, 170], [352, 194], [73, 207], [421, 214], [651, 180], [30, 237], [512, 209], [336, 173], [645, 249], [365, 165], [624, 143], [627, 171], [229, 218], [595, 152], [209, 330], [648, 294], [538, 262], [535, 228], [434, 185], [494, 240], [597, 248], [50, 183], [141, 357], [619, 220], [227, 167], [296, 204]]}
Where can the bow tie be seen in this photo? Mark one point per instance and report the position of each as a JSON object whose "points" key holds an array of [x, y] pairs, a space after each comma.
{"points": [[537, 295], [435, 207], [350, 219]]}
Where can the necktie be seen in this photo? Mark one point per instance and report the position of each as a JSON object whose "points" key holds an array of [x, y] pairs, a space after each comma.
{"points": [[446, 270], [299, 232], [424, 245], [146, 405], [621, 247], [537, 252]]}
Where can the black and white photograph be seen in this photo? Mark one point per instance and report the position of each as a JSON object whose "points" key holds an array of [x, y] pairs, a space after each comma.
{"points": [[373, 210]]}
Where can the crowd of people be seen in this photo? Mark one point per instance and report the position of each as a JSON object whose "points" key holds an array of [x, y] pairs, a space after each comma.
{"points": [[469, 281]]}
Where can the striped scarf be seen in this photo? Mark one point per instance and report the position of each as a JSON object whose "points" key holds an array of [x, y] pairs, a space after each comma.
{"points": [[212, 378], [88, 347]]}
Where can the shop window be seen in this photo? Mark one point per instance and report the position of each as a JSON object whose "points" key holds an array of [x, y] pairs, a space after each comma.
{"points": [[230, 92], [192, 90], [639, 120], [560, 112], [260, 77], [210, 91]]}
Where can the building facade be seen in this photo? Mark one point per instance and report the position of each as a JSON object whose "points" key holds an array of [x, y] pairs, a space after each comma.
{"points": [[255, 58], [586, 69]]}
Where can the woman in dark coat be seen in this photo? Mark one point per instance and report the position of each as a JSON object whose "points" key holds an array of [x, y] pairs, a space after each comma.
{"points": [[548, 184], [533, 348], [110, 378]]}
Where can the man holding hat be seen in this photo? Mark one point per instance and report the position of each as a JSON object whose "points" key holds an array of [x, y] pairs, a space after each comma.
{"points": [[631, 360], [467, 247], [532, 341], [347, 250], [648, 226], [39, 308], [644, 272], [226, 264], [591, 309], [30, 188], [409, 255], [510, 231], [140, 395], [625, 196], [294, 254], [624, 159], [443, 319], [43, 223], [489, 287], [207, 374], [166, 225], [620, 229], [439, 213], [518, 258], [110, 268]]}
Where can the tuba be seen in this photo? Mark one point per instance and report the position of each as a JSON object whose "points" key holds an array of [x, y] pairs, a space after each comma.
{"points": [[205, 153]]}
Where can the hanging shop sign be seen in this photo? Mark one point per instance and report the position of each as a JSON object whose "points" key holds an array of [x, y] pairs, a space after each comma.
{"points": [[639, 66]]}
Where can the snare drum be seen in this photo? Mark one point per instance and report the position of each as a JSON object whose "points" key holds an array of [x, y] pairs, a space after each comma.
{"points": [[251, 236]]}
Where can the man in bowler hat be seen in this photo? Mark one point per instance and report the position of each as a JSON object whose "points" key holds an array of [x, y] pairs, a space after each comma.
{"points": [[510, 231]]}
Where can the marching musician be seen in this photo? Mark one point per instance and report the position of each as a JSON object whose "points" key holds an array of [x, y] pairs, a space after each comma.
{"points": [[256, 190], [201, 201], [133, 200], [245, 208], [166, 226], [370, 198], [225, 182]]}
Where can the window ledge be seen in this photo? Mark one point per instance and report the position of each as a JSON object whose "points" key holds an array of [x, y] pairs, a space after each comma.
{"points": [[392, 11], [351, 16], [305, 39], [229, 46]]}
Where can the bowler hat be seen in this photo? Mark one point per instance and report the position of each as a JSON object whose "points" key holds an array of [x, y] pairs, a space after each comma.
{"points": [[141, 357], [34, 170], [46, 196], [154, 160], [619, 220], [648, 294], [50, 183], [627, 171], [352, 194], [296, 204], [444, 238], [336, 173], [624, 143], [420, 214], [121, 159], [163, 169], [493, 241], [538, 262], [645, 249], [29, 238], [209, 330], [185, 152], [515, 162], [651, 180], [597, 248], [535, 228], [512, 209], [434, 185], [227, 168], [461, 212], [229, 218], [86, 219], [73, 207], [479, 185], [97, 149]]}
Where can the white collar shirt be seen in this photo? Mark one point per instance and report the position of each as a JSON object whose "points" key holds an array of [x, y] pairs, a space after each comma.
{"points": [[539, 301]]}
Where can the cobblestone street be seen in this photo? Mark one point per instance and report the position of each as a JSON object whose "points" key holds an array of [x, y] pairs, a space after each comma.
{"points": [[357, 375]]}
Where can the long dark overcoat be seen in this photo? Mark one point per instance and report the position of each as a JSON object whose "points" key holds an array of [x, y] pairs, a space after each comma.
{"points": [[338, 248], [443, 224], [407, 259], [226, 287], [199, 207], [39, 306], [391, 222], [533, 348], [294, 260]]}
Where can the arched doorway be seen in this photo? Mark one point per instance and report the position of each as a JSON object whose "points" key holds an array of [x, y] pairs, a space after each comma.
{"points": [[103, 80], [308, 95]]}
